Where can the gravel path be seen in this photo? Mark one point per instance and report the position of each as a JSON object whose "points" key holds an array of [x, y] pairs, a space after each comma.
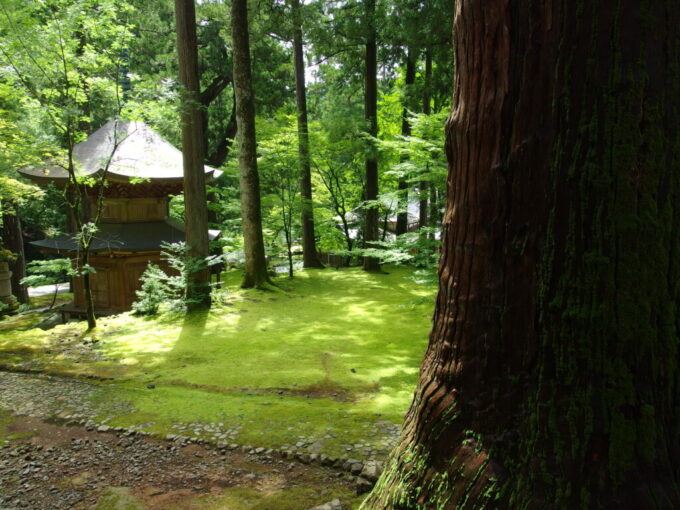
{"points": [[60, 467], [69, 460], [43, 396]]}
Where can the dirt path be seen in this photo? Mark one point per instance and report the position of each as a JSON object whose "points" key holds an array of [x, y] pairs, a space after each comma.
{"points": [[45, 464]]}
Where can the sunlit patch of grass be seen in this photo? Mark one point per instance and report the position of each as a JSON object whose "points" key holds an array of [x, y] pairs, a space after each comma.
{"points": [[269, 361]]}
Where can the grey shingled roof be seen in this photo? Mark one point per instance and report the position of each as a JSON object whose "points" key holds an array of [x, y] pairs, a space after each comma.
{"points": [[141, 153], [144, 236]]}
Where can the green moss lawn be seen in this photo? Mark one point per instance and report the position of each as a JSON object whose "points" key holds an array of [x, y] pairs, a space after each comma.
{"points": [[327, 362]]}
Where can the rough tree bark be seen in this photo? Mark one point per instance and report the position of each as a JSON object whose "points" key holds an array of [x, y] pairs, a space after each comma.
{"points": [[309, 255], [551, 379], [409, 80], [12, 239], [251, 214], [371, 114], [195, 203], [427, 99]]}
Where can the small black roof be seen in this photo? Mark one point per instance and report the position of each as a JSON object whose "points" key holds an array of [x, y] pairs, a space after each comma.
{"points": [[143, 236]]}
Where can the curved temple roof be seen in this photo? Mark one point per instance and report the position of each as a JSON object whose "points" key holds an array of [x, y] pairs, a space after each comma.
{"points": [[141, 154]]}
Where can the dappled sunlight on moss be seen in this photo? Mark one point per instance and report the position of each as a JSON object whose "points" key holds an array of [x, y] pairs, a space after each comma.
{"points": [[136, 345], [328, 351]]}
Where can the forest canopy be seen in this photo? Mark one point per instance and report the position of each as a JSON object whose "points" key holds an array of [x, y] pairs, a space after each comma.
{"points": [[68, 66]]}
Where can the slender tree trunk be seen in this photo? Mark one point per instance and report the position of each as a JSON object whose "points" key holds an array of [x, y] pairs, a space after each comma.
{"points": [[409, 80], [427, 99], [54, 296], [12, 239], [309, 256], [78, 205], [435, 209], [348, 235], [87, 287], [289, 246], [195, 203], [551, 379], [422, 203], [253, 243], [385, 220], [371, 114]]}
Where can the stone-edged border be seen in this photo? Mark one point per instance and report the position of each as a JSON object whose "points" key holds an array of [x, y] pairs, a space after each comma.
{"points": [[364, 473]]}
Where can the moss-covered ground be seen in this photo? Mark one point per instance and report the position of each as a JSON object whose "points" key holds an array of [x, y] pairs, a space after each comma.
{"points": [[328, 362]]}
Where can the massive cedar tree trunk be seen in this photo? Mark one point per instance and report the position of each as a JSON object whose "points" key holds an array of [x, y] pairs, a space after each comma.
{"points": [[251, 215], [195, 204], [409, 80], [551, 380], [12, 239], [309, 256], [371, 114]]}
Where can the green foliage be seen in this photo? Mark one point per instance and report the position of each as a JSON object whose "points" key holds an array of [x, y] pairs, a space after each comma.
{"points": [[66, 57], [337, 164], [279, 169], [94, 59], [173, 286], [47, 272], [153, 292], [419, 157], [7, 256], [418, 249]]}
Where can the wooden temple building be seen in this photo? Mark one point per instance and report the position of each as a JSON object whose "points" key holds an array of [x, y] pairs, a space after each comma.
{"points": [[144, 172]]}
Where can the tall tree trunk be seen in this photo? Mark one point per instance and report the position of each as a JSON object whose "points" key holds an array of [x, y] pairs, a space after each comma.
{"points": [[409, 80], [251, 215], [309, 256], [371, 114], [551, 379], [12, 239], [195, 204], [427, 99]]}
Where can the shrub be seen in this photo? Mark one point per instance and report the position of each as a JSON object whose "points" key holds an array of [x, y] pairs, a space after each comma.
{"points": [[48, 272], [7, 256], [153, 293], [173, 287]]}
